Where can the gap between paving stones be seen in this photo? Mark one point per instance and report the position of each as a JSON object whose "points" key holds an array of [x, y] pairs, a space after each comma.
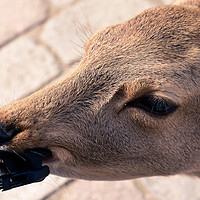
{"points": [[27, 70], [66, 184], [16, 20]]}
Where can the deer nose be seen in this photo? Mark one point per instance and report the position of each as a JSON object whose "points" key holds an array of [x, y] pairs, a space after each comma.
{"points": [[4, 137]]}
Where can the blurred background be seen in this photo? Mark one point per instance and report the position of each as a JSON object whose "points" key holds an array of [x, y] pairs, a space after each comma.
{"points": [[41, 42]]}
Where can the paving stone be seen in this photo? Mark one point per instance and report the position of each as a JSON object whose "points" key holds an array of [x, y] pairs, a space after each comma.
{"points": [[24, 67], [17, 16], [61, 3], [170, 188], [35, 191], [69, 30], [167, 2], [100, 190], [65, 73]]}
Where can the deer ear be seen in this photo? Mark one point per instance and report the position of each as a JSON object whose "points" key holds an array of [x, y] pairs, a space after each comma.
{"points": [[187, 2]]}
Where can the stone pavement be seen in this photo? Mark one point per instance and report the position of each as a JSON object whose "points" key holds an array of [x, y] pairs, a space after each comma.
{"points": [[41, 42]]}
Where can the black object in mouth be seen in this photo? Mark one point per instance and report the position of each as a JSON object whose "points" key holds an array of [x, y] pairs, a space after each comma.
{"points": [[20, 169]]}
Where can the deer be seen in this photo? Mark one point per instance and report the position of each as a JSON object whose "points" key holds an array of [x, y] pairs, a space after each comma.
{"points": [[130, 110]]}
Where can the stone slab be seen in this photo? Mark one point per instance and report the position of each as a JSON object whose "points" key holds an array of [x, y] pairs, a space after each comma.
{"points": [[17, 16], [66, 72], [35, 191], [170, 188], [62, 3], [99, 190], [67, 32], [167, 2], [25, 66]]}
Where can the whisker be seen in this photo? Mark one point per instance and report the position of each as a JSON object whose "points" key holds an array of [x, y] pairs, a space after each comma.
{"points": [[88, 22], [83, 32], [54, 182], [80, 36], [77, 44], [19, 155], [13, 95], [6, 100], [37, 153], [79, 51], [33, 186], [83, 29], [75, 22]]}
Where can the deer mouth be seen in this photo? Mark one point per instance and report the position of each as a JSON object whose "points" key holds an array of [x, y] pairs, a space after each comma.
{"points": [[18, 169]]}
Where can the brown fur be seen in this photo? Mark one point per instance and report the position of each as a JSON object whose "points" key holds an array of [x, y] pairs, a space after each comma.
{"points": [[85, 119]]}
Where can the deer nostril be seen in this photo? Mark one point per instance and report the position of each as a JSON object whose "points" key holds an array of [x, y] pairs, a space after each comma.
{"points": [[4, 137]]}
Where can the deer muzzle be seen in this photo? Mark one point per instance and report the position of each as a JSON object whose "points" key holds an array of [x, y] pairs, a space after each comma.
{"points": [[18, 169]]}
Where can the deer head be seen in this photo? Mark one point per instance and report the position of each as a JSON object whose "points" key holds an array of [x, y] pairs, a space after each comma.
{"points": [[130, 110]]}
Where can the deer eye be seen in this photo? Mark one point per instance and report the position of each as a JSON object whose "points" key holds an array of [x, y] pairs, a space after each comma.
{"points": [[154, 105]]}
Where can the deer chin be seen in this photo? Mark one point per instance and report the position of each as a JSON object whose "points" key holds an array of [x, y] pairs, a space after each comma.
{"points": [[66, 164], [69, 164]]}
